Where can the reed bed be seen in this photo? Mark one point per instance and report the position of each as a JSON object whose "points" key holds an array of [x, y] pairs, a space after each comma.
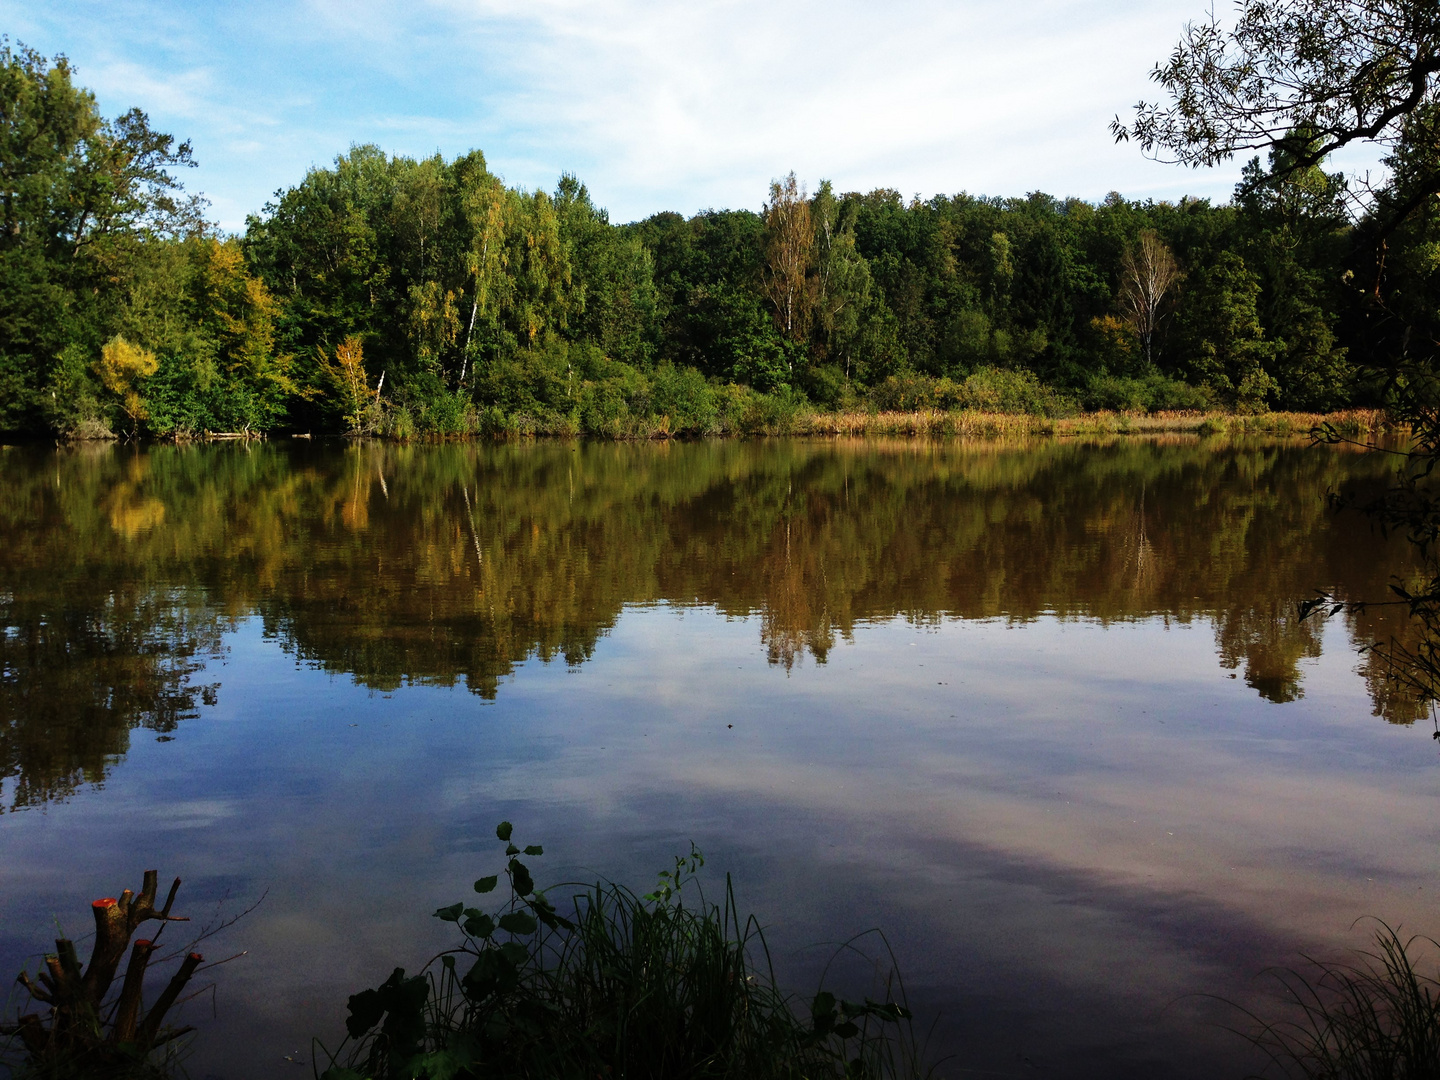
{"points": [[967, 424], [760, 415]]}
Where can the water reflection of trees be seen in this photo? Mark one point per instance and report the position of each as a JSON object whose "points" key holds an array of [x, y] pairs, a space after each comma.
{"points": [[89, 650], [451, 564]]}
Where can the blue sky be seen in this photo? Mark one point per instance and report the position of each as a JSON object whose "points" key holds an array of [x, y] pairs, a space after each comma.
{"points": [[656, 106]]}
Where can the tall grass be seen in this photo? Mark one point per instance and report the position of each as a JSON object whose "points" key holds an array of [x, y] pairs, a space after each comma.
{"points": [[1377, 1018], [972, 424], [615, 401], [666, 985]]}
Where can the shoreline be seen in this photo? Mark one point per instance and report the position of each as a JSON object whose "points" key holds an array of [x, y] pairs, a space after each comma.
{"points": [[922, 423]]}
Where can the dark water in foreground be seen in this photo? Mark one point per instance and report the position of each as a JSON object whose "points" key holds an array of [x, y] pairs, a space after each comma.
{"points": [[1044, 713]]}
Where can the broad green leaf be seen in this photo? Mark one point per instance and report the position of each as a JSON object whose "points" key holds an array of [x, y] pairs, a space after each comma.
{"points": [[503, 831], [534, 849], [487, 884], [451, 913]]}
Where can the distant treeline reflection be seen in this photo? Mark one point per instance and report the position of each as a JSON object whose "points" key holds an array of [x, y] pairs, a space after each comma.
{"points": [[122, 568]]}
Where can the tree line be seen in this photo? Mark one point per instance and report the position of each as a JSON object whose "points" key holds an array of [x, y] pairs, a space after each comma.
{"points": [[402, 296]]}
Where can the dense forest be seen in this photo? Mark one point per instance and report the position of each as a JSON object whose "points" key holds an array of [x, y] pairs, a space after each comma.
{"points": [[405, 297]]}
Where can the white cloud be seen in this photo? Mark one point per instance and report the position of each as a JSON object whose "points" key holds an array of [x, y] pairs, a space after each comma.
{"points": [[656, 102], [655, 105]]}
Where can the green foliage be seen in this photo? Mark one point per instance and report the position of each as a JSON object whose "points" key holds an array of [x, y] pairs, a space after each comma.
{"points": [[989, 389], [72, 404], [1225, 344], [104, 259], [1296, 232], [664, 985], [1152, 393], [497, 310], [685, 399]]}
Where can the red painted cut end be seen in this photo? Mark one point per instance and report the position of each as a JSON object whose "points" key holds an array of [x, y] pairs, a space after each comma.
{"points": [[196, 957], [103, 902], [143, 943]]}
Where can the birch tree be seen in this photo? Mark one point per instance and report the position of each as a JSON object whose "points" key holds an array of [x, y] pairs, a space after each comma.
{"points": [[789, 243], [1148, 274], [482, 206]]}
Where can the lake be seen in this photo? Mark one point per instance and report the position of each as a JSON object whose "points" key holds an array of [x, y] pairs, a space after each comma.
{"points": [[1041, 711]]}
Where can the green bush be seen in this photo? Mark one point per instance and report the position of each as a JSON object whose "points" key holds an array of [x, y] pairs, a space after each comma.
{"points": [[772, 414], [1151, 393], [906, 393], [72, 405], [990, 389], [825, 385], [1004, 390], [686, 398]]}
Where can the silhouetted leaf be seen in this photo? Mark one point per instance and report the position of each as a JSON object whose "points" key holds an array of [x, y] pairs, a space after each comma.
{"points": [[517, 922], [520, 878], [451, 913], [479, 925], [365, 1011], [503, 831], [554, 921], [487, 884]]}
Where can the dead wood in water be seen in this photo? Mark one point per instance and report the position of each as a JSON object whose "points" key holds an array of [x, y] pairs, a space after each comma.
{"points": [[85, 1034]]}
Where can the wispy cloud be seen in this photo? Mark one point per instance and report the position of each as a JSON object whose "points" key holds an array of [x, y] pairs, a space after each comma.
{"points": [[656, 105]]}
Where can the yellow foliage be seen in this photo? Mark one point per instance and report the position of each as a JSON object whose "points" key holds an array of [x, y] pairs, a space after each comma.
{"points": [[241, 311], [434, 322], [120, 366], [346, 374], [1117, 338], [130, 519]]}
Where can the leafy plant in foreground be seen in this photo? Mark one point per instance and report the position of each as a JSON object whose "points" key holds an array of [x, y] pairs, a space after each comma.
{"points": [[622, 985]]}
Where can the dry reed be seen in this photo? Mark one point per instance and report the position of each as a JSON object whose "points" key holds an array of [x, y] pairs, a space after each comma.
{"points": [[980, 425]]}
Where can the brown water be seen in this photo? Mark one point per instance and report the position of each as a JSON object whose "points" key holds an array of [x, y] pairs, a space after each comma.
{"points": [[1043, 712]]}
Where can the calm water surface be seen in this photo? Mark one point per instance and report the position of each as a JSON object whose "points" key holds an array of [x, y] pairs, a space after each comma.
{"points": [[1042, 712]]}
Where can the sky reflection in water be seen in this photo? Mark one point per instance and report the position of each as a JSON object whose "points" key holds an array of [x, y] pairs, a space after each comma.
{"points": [[1023, 754]]}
